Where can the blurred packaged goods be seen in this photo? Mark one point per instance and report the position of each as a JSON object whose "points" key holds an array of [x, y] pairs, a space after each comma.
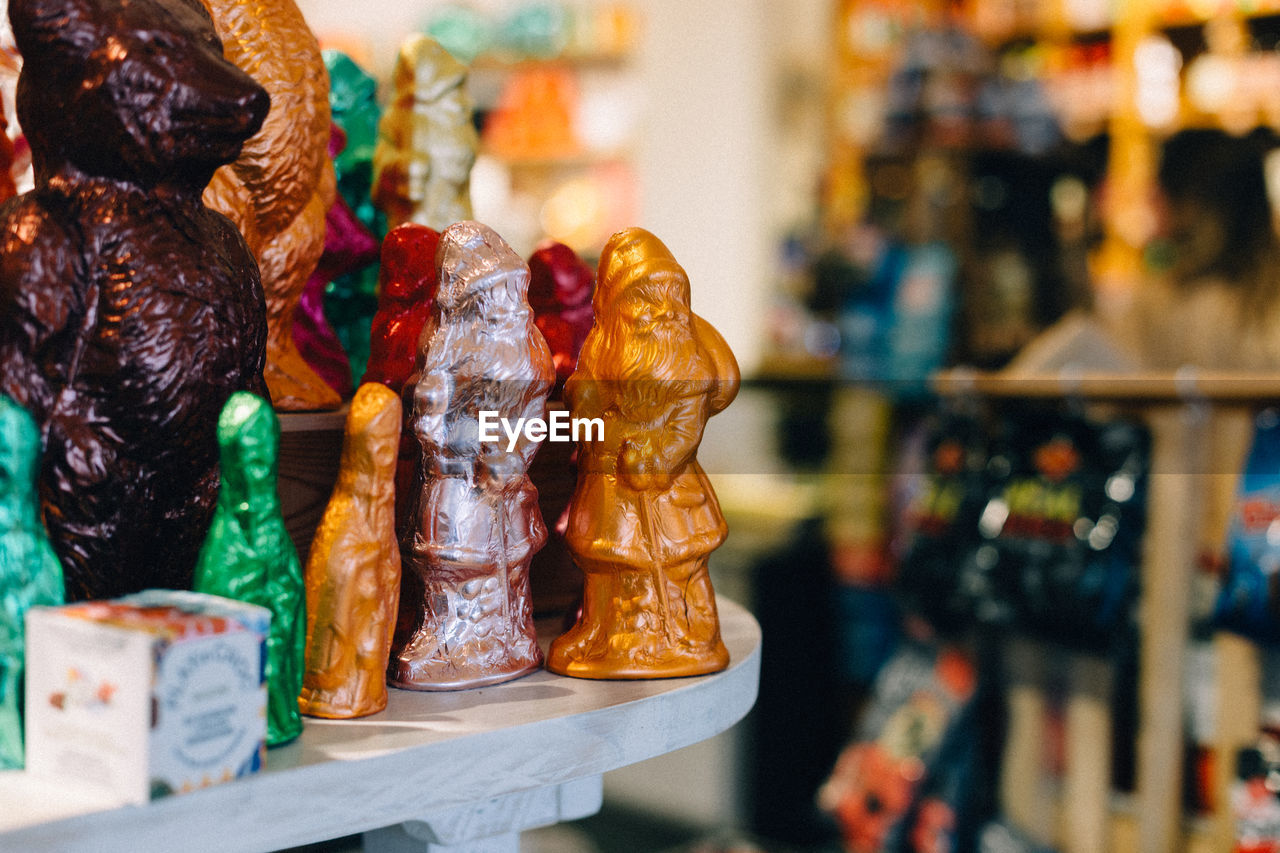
{"points": [[533, 118], [558, 106]]}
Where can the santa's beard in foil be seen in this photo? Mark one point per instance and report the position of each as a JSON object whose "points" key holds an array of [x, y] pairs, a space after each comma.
{"points": [[653, 369]]}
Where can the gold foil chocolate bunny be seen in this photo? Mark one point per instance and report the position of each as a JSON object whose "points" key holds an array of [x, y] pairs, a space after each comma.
{"points": [[281, 187], [644, 518], [477, 522], [426, 140], [353, 571]]}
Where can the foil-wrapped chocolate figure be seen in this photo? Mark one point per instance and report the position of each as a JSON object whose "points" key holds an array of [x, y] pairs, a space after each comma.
{"points": [[407, 296], [560, 287], [30, 574], [129, 311], [280, 188], [250, 557], [8, 187], [353, 570], [349, 247], [406, 299], [351, 299], [427, 142], [476, 520], [644, 518], [353, 104]]}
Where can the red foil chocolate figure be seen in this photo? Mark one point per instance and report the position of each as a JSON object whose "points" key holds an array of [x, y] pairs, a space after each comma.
{"points": [[476, 521], [406, 297], [348, 246], [8, 189], [560, 287], [129, 311]]}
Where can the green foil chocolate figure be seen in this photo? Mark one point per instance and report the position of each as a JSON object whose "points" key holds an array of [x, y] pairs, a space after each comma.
{"points": [[29, 571], [353, 102], [351, 300], [250, 557]]}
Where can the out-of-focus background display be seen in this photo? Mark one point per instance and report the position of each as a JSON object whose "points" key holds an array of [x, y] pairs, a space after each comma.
{"points": [[1003, 484]]}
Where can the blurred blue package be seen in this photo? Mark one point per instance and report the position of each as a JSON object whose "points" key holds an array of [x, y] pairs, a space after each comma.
{"points": [[923, 304], [897, 329], [1249, 602], [867, 621]]}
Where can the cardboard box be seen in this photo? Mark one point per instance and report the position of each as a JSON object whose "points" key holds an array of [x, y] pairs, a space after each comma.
{"points": [[152, 694]]}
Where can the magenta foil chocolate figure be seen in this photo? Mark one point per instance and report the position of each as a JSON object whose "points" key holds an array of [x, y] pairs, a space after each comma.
{"points": [[476, 522], [348, 248], [560, 286], [129, 311]]}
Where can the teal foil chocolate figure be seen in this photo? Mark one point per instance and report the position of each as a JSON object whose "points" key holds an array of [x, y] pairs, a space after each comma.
{"points": [[30, 573], [353, 101], [250, 557], [352, 298]]}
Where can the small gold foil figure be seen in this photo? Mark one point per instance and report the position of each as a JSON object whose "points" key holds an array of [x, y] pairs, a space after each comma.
{"points": [[644, 518], [476, 523], [281, 187], [353, 571], [426, 140]]}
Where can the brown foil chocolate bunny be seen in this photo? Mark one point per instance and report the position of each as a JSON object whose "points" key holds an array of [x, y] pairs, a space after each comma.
{"points": [[129, 311], [280, 188], [426, 140], [644, 518], [353, 571], [476, 520]]}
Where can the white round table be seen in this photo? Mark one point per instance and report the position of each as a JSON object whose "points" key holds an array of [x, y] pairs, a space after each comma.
{"points": [[434, 772]]}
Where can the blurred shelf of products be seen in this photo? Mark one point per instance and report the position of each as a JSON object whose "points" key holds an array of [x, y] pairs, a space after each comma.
{"points": [[1047, 586], [556, 107]]}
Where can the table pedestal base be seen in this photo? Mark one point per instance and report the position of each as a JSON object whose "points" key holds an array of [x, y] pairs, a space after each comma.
{"points": [[493, 826]]}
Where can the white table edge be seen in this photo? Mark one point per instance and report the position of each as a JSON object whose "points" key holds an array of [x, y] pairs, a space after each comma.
{"points": [[288, 806]]}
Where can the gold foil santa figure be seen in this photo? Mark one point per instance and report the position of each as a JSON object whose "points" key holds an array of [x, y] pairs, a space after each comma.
{"points": [[644, 518]]}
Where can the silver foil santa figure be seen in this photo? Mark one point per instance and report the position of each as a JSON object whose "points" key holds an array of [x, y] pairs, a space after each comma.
{"points": [[476, 522]]}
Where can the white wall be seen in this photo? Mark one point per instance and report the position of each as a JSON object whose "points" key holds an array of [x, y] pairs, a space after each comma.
{"points": [[703, 156]]}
